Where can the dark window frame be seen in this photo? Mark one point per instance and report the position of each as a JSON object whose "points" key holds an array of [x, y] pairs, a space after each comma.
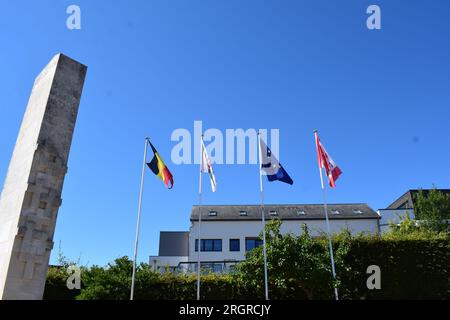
{"points": [[213, 245], [257, 242], [233, 248]]}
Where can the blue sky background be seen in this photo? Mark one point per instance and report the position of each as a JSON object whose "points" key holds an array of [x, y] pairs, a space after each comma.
{"points": [[380, 100]]}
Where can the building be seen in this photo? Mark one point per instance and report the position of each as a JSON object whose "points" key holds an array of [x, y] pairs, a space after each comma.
{"points": [[229, 231], [401, 207], [173, 249], [408, 199]]}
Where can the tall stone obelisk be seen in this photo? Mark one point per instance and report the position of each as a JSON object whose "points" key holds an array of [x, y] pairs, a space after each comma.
{"points": [[31, 195]]}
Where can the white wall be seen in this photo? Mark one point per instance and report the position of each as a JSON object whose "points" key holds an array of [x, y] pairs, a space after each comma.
{"points": [[392, 216], [166, 261], [227, 230]]}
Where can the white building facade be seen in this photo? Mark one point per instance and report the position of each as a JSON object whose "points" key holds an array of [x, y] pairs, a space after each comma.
{"points": [[173, 250], [403, 207], [390, 217], [228, 232]]}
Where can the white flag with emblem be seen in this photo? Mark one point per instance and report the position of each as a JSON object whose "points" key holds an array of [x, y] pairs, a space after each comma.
{"points": [[207, 167]]}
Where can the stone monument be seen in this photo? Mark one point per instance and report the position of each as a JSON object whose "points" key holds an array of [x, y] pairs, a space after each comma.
{"points": [[31, 195]]}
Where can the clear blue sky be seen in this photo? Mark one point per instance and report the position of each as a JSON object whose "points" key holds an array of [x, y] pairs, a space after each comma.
{"points": [[380, 100]]}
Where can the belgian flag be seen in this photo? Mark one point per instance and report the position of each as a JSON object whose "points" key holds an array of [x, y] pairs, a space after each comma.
{"points": [[159, 168]]}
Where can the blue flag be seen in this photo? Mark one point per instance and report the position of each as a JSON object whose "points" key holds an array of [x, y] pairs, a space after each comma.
{"points": [[271, 167]]}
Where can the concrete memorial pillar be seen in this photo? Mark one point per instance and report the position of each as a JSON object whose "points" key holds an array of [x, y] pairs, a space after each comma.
{"points": [[31, 194]]}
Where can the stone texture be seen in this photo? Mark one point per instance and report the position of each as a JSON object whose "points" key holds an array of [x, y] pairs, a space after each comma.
{"points": [[31, 195]]}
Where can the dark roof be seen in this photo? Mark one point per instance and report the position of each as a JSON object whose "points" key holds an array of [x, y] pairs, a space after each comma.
{"points": [[407, 200], [173, 243], [284, 212]]}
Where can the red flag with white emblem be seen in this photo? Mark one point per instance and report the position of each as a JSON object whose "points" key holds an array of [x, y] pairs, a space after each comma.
{"points": [[325, 161]]}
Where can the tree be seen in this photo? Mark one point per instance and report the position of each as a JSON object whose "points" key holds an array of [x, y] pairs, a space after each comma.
{"points": [[433, 209], [293, 262], [114, 281]]}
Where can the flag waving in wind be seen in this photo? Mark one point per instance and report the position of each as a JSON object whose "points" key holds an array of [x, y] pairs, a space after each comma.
{"points": [[325, 161], [206, 167], [160, 169], [270, 165]]}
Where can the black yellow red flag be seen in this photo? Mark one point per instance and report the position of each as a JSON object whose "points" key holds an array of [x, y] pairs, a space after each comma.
{"points": [[160, 169]]}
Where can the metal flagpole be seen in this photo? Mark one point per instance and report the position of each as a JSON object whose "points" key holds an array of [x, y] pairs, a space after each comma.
{"points": [[199, 217], [139, 217], [325, 207], [266, 286]]}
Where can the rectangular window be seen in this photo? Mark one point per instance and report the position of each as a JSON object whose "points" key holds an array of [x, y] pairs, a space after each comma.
{"points": [[217, 267], [235, 245], [252, 243], [209, 245]]}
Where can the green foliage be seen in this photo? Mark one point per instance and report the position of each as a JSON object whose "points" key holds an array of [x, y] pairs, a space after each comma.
{"points": [[414, 263], [409, 229], [433, 210], [114, 282], [298, 266], [56, 288], [410, 269]]}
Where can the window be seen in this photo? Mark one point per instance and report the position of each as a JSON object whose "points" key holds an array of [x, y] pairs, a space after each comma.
{"points": [[273, 213], [209, 245], [243, 213], [301, 213], [252, 243], [217, 267], [235, 245], [42, 205], [335, 212], [212, 213]]}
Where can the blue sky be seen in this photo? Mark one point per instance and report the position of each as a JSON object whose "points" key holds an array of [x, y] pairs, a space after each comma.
{"points": [[380, 100]]}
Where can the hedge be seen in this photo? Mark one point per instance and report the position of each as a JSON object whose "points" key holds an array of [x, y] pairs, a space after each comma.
{"points": [[410, 269]]}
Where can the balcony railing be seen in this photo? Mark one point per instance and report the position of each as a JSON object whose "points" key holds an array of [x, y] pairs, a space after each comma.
{"points": [[207, 267]]}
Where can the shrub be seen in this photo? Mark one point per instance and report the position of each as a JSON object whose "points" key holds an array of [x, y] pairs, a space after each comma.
{"points": [[414, 265]]}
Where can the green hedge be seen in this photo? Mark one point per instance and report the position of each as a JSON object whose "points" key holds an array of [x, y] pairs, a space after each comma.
{"points": [[56, 288], [410, 269], [150, 286]]}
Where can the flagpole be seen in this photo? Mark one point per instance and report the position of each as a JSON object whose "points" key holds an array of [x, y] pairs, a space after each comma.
{"points": [[199, 217], [325, 207], [139, 218], [266, 287]]}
